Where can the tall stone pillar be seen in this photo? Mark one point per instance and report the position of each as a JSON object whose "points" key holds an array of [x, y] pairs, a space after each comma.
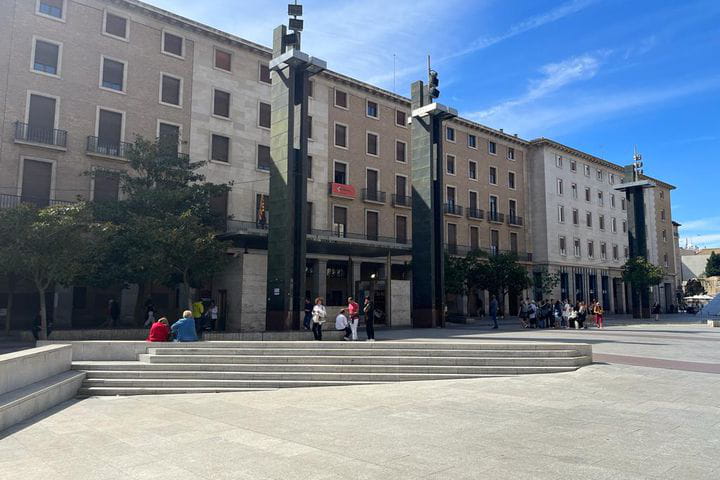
{"points": [[320, 278]]}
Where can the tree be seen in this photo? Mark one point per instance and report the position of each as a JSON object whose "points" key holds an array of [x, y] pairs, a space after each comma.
{"points": [[548, 281], [712, 268], [456, 272], [642, 275], [499, 274], [694, 287], [165, 197], [51, 246]]}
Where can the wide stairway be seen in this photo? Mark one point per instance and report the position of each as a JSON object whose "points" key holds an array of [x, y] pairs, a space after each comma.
{"points": [[245, 366]]}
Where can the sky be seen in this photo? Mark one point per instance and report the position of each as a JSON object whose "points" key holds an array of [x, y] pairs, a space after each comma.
{"points": [[598, 75]]}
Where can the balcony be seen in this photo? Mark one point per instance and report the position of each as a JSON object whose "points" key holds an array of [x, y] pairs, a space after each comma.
{"points": [[373, 195], [342, 233], [495, 217], [401, 201], [514, 220], [50, 137], [475, 214], [10, 201], [453, 209], [107, 148]]}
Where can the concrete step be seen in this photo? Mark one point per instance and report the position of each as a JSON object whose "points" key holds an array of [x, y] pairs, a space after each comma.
{"points": [[405, 352], [91, 367], [202, 383], [469, 345], [123, 391], [346, 360]]}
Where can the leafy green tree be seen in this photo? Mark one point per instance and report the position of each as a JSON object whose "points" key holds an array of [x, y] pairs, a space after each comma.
{"points": [[456, 272], [694, 287], [51, 246], [712, 268], [548, 281], [499, 274], [642, 275]]}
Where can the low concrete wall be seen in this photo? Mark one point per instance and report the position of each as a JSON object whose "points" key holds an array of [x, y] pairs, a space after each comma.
{"points": [[19, 369]]}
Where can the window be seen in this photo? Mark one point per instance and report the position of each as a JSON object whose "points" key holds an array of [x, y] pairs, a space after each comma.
{"points": [[450, 134], [372, 144], [587, 194], [172, 44], [340, 173], [665, 260], [310, 126], [371, 182], [341, 135], [558, 161], [493, 207], [170, 90], [472, 201], [664, 235], [113, 75], [450, 195], [601, 199], [341, 99], [601, 222], [372, 109], [472, 169], [611, 178], [662, 194], [450, 164], [599, 174], [41, 119], [451, 234], [586, 169], [401, 229], [662, 214], [262, 202], [264, 115], [36, 182], [613, 225], [223, 60], [220, 150], [109, 132], [371, 225], [264, 160], [511, 180], [590, 249], [573, 166], [560, 188], [622, 204], [576, 247], [612, 200], [52, 8], [624, 226], [492, 148], [574, 190], [400, 189], [221, 103], [588, 219], [169, 137], [309, 166], [563, 246], [494, 242], [512, 209], [511, 153], [474, 237], [264, 75], [472, 141], [339, 221], [626, 252], [513, 242], [603, 250], [616, 256], [400, 151], [46, 58], [492, 176], [115, 25], [400, 118], [106, 186], [575, 216], [561, 214]]}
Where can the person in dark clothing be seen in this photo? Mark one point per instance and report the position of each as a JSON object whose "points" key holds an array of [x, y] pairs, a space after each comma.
{"points": [[307, 320], [37, 327], [113, 312], [369, 311], [494, 311]]}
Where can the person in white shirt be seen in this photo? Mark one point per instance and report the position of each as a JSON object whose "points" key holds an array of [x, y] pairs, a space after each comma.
{"points": [[341, 323], [566, 311], [318, 318]]}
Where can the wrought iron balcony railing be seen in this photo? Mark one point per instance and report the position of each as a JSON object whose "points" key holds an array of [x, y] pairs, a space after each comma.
{"points": [[475, 213], [372, 195], [401, 200], [514, 220], [45, 136], [453, 209], [10, 201], [111, 148], [496, 217]]}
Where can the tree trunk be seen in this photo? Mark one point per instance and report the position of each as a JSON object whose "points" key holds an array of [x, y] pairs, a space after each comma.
{"points": [[188, 293], [138, 312], [11, 298], [43, 312]]}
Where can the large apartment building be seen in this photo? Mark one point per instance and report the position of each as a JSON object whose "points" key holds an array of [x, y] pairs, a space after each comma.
{"points": [[82, 78]]}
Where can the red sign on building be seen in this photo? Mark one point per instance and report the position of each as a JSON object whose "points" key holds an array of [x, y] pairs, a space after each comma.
{"points": [[342, 190]]}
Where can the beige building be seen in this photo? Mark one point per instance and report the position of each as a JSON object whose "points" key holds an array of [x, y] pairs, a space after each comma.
{"points": [[84, 77]]}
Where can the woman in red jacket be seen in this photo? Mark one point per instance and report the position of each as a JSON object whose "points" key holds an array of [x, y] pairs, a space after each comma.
{"points": [[159, 331]]}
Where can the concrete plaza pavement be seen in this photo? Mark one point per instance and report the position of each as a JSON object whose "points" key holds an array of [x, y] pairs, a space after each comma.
{"points": [[610, 420]]}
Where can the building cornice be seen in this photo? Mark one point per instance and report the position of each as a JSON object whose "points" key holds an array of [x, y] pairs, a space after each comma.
{"points": [[577, 153]]}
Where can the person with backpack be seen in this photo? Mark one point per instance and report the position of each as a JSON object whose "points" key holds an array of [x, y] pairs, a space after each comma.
{"points": [[369, 311]]}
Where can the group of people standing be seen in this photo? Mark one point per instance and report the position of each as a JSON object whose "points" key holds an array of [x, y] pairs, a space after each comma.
{"points": [[347, 320], [559, 314]]}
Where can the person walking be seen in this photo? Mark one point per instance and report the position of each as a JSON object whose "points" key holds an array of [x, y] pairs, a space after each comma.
{"points": [[598, 310], [573, 318], [656, 312], [369, 311], [341, 323], [318, 318], [149, 312], [353, 311], [307, 320], [523, 314], [582, 315], [197, 313], [532, 314], [159, 331], [566, 311], [113, 312], [494, 311], [184, 329]]}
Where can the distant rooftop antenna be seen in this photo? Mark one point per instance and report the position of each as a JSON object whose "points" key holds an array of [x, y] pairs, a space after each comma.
{"points": [[637, 165]]}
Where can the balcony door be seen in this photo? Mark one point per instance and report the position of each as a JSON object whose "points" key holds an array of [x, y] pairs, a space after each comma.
{"points": [[41, 119], [401, 229], [109, 132], [339, 221], [36, 182], [371, 225], [169, 137]]}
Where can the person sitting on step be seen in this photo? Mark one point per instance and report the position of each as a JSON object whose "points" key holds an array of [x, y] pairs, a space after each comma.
{"points": [[341, 323], [184, 329], [159, 331]]}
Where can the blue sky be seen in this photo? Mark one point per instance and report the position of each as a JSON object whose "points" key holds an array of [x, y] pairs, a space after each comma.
{"points": [[598, 75]]}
